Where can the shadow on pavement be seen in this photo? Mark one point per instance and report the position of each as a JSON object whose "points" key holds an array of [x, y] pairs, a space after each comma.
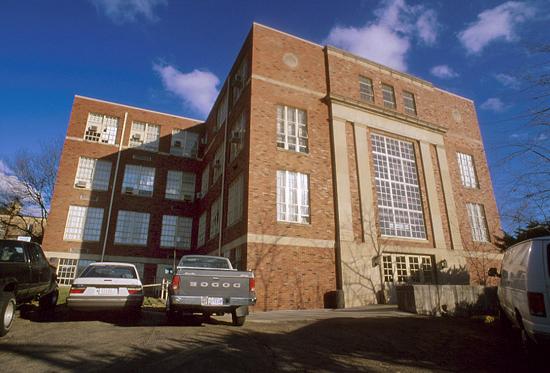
{"points": [[332, 345]]}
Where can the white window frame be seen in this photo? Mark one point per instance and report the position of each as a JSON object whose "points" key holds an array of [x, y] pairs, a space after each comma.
{"points": [[215, 218], [147, 137], [235, 201], [205, 180], [142, 184], [201, 237], [93, 174], [399, 198], [293, 204], [292, 134], [408, 268], [217, 165], [184, 143], [409, 103], [478, 222], [66, 271], [239, 83], [132, 228], [101, 128], [467, 170], [236, 137], [176, 232], [180, 186], [388, 95], [221, 113], [366, 89], [83, 224]]}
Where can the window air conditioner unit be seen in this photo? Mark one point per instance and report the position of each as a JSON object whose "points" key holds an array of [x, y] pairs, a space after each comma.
{"points": [[235, 137], [129, 190], [188, 198], [198, 195], [80, 184], [177, 144], [92, 128]]}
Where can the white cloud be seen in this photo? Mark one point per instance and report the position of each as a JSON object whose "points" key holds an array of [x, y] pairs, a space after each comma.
{"points": [[508, 81], [493, 104], [443, 72], [498, 23], [10, 185], [121, 11], [197, 89], [387, 39]]}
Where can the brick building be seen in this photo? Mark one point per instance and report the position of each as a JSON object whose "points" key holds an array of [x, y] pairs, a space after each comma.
{"points": [[336, 172]]}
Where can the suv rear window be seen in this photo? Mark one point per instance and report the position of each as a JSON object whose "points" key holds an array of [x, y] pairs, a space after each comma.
{"points": [[109, 272], [12, 254]]}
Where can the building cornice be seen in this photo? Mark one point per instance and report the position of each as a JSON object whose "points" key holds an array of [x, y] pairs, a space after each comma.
{"points": [[373, 109]]}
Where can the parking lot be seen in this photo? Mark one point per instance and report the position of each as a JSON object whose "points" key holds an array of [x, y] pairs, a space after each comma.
{"points": [[376, 338]]}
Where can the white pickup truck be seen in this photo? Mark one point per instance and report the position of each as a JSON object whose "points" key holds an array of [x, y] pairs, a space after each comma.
{"points": [[209, 285]]}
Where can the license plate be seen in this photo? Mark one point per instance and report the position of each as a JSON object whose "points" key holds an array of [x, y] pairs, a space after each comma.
{"points": [[211, 301], [107, 291]]}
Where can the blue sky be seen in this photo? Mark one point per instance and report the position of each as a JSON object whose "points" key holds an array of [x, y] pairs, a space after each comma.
{"points": [[172, 56]]}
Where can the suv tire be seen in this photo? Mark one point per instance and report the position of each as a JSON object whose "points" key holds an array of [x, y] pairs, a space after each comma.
{"points": [[7, 312]]}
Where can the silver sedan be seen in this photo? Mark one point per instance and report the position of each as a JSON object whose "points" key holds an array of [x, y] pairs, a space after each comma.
{"points": [[107, 286]]}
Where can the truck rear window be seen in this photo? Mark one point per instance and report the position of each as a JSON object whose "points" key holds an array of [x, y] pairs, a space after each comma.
{"points": [[12, 254], [204, 263], [109, 272]]}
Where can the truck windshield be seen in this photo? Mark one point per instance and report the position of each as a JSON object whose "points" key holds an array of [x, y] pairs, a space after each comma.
{"points": [[109, 272], [205, 262], [11, 253]]}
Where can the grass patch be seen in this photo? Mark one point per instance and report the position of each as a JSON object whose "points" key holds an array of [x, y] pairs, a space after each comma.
{"points": [[153, 302]]}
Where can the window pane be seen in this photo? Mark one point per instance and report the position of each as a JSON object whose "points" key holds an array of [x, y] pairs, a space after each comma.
{"points": [[389, 96], [293, 197]]}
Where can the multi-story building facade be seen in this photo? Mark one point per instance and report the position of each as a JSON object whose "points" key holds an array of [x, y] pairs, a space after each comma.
{"points": [[316, 168]]}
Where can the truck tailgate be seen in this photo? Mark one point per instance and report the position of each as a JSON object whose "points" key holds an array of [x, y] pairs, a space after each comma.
{"points": [[213, 283]]}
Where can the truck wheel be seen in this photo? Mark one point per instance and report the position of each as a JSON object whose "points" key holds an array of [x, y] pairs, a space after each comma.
{"points": [[7, 313], [237, 320], [48, 301]]}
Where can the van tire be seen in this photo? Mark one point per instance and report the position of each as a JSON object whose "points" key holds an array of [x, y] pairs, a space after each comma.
{"points": [[7, 312]]}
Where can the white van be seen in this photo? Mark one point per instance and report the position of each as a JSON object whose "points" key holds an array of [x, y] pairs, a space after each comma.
{"points": [[524, 291]]}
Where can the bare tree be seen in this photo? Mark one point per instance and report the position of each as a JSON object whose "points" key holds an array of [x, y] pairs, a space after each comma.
{"points": [[28, 189]]}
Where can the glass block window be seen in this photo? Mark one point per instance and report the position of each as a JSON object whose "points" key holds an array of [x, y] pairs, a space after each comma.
{"points": [[132, 228], [409, 103], [138, 180], [404, 268], [180, 186], [83, 223], [217, 165], [467, 170], [239, 79], [221, 113], [215, 218], [398, 193], [205, 179], [388, 95], [145, 136], [92, 174], [478, 223], [184, 143], [292, 129], [236, 137], [201, 239], [292, 197], [101, 128], [66, 271], [365, 89], [235, 201], [176, 232]]}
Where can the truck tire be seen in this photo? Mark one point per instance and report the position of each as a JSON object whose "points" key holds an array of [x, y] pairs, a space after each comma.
{"points": [[7, 313], [48, 301], [237, 320]]}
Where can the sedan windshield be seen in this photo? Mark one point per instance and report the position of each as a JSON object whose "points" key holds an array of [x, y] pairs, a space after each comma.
{"points": [[206, 262], [109, 272]]}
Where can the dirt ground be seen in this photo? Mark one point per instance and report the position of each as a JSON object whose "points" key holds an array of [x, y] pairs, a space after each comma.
{"points": [[371, 339]]}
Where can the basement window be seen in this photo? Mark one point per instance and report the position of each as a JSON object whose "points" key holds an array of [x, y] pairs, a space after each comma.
{"points": [[402, 268]]}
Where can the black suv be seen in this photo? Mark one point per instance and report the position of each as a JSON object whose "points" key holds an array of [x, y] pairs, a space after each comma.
{"points": [[25, 275]]}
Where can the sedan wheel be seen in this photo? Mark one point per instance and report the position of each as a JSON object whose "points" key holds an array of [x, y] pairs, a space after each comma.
{"points": [[7, 315]]}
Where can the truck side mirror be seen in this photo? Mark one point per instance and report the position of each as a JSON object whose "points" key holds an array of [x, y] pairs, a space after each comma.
{"points": [[493, 272]]}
